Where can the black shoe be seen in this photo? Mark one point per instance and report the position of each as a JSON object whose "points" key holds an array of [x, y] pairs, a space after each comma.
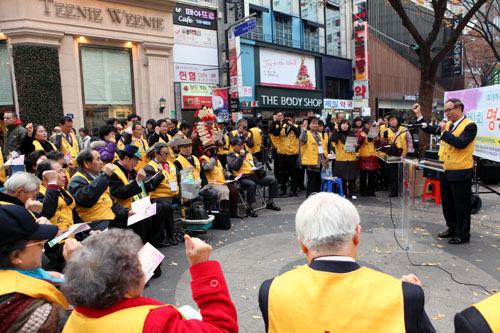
{"points": [[173, 241], [283, 194], [272, 206], [446, 234], [251, 212], [458, 240], [293, 194], [161, 245]]}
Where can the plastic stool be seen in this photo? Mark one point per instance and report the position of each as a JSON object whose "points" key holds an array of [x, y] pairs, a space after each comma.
{"points": [[332, 184], [435, 192]]}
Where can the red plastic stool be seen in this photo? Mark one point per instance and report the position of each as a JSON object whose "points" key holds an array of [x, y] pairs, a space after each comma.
{"points": [[435, 192]]}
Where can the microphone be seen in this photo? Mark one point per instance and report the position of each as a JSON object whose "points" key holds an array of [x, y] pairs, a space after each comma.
{"points": [[423, 125]]}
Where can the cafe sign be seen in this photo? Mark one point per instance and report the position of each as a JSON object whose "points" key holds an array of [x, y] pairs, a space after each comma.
{"points": [[280, 98], [195, 17]]}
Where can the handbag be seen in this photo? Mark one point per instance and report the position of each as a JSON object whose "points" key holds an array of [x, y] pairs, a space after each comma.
{"points": [[222, 219], [197, 211]]}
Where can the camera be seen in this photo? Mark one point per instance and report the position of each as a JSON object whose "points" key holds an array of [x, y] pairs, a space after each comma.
{"points": [[245, 128]]}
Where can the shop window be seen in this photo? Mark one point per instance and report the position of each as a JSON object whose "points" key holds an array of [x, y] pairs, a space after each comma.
{"points": [[312, 10], [283, 31], [333, 44], [311, 38], [258, 32], [6, 96], [337, 88], [284, 6], [107, 84]]}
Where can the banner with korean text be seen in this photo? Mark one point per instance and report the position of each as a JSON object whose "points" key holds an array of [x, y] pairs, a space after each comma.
{"points": [[482, 107]]}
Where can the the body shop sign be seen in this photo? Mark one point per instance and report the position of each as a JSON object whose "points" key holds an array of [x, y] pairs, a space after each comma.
{"points": [[286, 69], [195, 17], [194, 96], [195, 74], [278, 98]]}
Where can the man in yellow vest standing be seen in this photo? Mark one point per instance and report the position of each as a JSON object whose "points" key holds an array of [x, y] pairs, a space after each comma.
{"points": [[332, 293], [457, 140], [66, 142]]}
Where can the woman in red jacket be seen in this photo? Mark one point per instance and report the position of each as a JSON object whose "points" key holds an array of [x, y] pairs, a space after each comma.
{"points": [[105, 280]]}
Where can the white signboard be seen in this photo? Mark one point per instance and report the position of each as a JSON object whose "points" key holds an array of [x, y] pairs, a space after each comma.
{"points": [[285, 69], [342, 104], [198, 55], [482, 106], [195, 36], [196, 73], [361, 89]]}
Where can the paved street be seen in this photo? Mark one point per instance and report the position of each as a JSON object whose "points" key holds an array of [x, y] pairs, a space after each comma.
{"points": [[256, 249]]}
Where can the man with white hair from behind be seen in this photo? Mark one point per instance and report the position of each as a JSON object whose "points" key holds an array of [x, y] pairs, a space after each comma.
{"points": [[333, 293], [21, 189]]}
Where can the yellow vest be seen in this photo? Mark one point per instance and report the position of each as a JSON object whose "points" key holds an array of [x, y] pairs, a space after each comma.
{"points": [[309, 150], [185, 164], [121, 175], [400, 141], [276, 141], [454, 158], [126, 320], [289, 143], [216, 173], [101, 210], [15, 282], [163, 190], [341, 155], [364, 300], [66, 147], [63, 217], [38, 146], [246, 166], [3, 175], [257, 140], [490, 309], [224, 149], [367, 148], [143, 149], [234, 133]]}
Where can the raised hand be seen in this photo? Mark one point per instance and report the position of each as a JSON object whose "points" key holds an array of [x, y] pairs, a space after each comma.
{"points": [[197, 251]]}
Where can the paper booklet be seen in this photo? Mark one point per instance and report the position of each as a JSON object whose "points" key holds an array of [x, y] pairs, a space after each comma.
{"points": [[150, 258], [73, 230], [143, 209], [350, 143], [373, 132]]}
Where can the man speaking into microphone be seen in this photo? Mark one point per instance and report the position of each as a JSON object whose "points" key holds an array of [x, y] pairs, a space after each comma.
{"points": [[456, 149]]}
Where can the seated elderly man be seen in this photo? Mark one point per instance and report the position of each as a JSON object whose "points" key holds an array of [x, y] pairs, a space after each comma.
{"points": [[104, 281], [242, 162], [21, 189], [332, 292], [29, 299], [90, 188]]}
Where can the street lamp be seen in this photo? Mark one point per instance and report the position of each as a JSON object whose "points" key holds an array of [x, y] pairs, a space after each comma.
{"points": [[163, 102]]}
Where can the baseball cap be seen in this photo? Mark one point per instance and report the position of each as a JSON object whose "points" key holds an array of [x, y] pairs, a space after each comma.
{"points": [[19, 224]]}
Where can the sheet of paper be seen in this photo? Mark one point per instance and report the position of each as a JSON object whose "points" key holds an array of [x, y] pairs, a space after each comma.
{"points": [[373, 132], [257, 167], [143, 209], [150, 258], [19, 160], [239, 176], [73, 230], [350, 143]]}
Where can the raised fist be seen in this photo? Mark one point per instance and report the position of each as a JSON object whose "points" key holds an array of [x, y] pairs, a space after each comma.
{"points": [[50, 176], [29, 128], [109, 169]]}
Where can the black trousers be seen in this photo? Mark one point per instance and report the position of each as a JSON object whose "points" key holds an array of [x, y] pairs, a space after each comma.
{"points": [[250, 185], [163, 220], [301, 176], [209, 198], [367, 188], [277, 167], [348, 187], [288, 166], [393, 178], [313, 182], [456, 202]]}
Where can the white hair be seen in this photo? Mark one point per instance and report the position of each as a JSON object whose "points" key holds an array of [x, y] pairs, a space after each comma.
{"points": [[24, 180], [326, 221]]}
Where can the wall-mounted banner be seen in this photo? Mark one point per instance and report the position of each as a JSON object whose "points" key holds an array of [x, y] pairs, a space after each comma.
{"points": [[286, 69], [342, 104], [220, 104], [195, 73], [361, 50], [195, 17], [195, 36], [235, 74], [279, 98], [194, 96], [482, 106], [361, 89]]}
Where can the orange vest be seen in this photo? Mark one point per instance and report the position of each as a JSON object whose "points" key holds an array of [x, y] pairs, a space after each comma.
{"points": [[490, 309], [246, 166], [164, 190], [454, 158], [101, 210], [38, 146], [186, 164], [66, 147], [401, 138], [341, 155], [216, 173], [367, 148], [63, 217], [309, 150], [121, 175]]}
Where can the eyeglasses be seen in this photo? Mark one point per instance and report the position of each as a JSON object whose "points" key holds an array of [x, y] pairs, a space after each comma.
{"points": [[449, 110], [40, 242]]}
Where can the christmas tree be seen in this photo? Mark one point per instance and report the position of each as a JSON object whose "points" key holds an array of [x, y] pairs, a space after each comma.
{"points": [[303, 79]]}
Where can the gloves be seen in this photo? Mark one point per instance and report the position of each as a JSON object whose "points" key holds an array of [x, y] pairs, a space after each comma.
{"points": [[386, 134]]}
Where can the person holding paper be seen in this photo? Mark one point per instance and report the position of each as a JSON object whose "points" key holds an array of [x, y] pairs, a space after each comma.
{"points": [[345, 145], [314, 154], [29, 295], [162, 182], [401, 138], [90, 189], [368, 160], [333, 292], [109, 265], [125, 186], [227, 194]]}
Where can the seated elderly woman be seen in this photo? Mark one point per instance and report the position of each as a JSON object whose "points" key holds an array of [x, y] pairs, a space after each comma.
{"points": [[104, 281], [29, 299]]}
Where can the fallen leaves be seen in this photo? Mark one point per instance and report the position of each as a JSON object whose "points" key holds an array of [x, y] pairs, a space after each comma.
{"points": [[438, 316]]}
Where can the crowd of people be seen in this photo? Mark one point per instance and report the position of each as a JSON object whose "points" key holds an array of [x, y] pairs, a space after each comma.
{"points": [[71, 177]]}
